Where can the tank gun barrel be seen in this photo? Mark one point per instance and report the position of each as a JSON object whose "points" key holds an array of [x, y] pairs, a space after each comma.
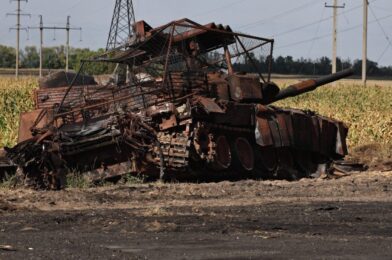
{"points": [[310, 85]]}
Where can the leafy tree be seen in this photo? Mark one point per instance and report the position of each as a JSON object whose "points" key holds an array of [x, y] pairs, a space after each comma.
{"points": [[7, 57], [54, 58], [30, 57], [77, 55]]}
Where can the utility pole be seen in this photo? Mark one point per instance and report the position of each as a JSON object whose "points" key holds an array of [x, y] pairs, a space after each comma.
{"points": [[67, 28], [18, 28], [67, 44], [364, 45], [41, 46], [335, 7]]}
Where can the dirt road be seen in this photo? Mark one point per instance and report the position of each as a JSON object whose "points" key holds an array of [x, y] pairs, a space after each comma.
{"points": [[348, 218]]}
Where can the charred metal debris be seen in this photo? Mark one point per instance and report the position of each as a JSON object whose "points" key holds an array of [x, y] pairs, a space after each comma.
{"points": [[176, 104]]}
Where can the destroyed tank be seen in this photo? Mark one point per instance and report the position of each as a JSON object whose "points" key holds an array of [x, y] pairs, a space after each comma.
{"points": [[186, 99]]}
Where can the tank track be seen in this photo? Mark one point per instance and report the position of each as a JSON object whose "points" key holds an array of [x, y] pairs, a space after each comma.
{"points": [[175, 148], [271, 162]]}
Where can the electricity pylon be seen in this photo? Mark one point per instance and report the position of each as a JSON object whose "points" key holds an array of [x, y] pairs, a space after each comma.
{"points": [[121, 28]]}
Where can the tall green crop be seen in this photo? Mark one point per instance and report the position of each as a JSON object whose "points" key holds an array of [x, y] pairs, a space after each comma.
{"points": [[16, 96]]}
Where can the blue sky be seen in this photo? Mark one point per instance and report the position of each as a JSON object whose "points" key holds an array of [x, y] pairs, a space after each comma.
{"points": [[301, 28]]}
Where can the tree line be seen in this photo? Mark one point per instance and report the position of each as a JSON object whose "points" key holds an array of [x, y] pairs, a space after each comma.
{"points": [[322, 66], [54, 58]]}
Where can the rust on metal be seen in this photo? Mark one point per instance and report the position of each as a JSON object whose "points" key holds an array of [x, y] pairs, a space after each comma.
{"points": [[210, 105], [222, 153], [27, 121], [245, 88], [244, 151], [177, 104]]}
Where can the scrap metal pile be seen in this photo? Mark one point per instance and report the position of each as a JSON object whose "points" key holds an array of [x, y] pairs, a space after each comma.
{"points": [[180, 106]]}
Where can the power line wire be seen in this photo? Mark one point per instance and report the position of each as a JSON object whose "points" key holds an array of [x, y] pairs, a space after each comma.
{"points": [[295, 29], [345, 18], [329, 34], [68, 9], [314, 41], [73, 6], [218, 8], [381, 27], [383, 53], [314, 22], [385, 34], [382, 8], [250, 25]]}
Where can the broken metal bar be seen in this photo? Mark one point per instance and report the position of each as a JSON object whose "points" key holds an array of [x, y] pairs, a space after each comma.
{"points": [[71, 86], [167, 61], [250, 58]]}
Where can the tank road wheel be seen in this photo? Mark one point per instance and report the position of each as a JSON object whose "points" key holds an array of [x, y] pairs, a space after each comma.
{"points": [[305, 163], [222, 154], [266, 161], [244, 155], [267, 158], [286, 169], [212, 148]]}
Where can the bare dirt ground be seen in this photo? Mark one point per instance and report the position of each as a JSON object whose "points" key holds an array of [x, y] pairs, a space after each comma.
{"points": [[347, 218]]}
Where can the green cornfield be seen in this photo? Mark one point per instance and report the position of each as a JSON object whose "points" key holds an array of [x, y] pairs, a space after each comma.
{"points": [[16, 96], [368, 111]]}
